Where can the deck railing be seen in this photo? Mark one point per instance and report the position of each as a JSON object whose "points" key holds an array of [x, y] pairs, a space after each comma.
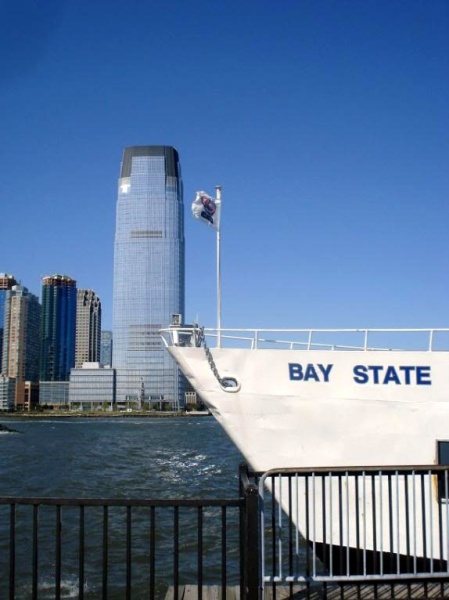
{"points": [[354, 525], [429, 340]]}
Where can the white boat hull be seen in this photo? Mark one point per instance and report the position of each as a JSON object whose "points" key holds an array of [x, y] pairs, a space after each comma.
{"points": [[278, 422], [324, 408]]}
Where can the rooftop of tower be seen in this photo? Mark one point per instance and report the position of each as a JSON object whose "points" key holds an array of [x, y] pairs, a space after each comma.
{"points": [[7, 281], [59, 280], [168, 152]]}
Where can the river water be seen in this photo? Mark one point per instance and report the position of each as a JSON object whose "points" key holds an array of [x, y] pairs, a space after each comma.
{"points": [[157, 458]]}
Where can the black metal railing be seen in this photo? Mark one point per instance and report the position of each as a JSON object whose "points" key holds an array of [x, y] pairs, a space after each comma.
{"points": [[118, 548], [288, 530]]}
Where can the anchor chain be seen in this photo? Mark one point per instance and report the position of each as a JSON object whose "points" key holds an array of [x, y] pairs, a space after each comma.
{"points": [[210, 359]]}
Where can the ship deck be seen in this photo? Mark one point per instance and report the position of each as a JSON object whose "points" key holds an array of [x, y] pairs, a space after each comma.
{"points": [[422, 591]]}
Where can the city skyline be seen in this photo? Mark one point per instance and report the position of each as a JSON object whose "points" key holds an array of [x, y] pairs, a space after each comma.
{"points": [[324, 122]]}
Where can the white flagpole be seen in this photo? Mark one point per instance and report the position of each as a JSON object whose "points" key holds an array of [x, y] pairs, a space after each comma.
{"points": [[218, 196]]}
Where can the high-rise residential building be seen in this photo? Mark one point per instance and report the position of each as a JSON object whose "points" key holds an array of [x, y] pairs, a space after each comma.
{"points": [[88, 327], [6, 283], [58, 327], [148, 274], [21, 347], [106, 348]]}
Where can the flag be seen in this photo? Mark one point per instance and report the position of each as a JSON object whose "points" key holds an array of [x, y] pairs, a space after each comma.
{"points": [[207, 209]]}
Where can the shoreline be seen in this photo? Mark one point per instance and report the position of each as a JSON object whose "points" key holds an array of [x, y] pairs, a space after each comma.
{"points": [[106, 415]]}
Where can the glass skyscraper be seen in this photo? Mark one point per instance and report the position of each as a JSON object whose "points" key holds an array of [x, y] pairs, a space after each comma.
{"points": [[58, 326], [6, 283], [148, 274]]}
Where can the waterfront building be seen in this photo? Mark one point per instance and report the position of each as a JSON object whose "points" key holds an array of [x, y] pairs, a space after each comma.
{"points": [[88, 327], [92, 387], [7, 393], [21, 347], [58, 329], [54, 394], [30, 395], [106, 348], [6, 283], [149, 273]]}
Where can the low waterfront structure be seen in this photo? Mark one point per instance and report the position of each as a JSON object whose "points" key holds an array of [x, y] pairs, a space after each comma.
{"points": [[7, 393], [54, 393], [92, 387]]}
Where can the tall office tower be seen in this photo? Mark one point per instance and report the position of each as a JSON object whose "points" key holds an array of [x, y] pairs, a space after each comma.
{"points": [[6, 283], [148, 273], [106, 348], [88, 328], [58, 326], [21, 347]]}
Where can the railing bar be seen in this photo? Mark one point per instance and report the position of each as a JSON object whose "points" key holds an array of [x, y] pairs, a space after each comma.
{"points": [[440, 523], [12, 551], [153, 554], [398, 527], [297, 524], [261, 533], [280, 525], [340, 516], [290, 526], [431, 518], [364, 520], [309, 343], [323, 516], [128, 552], [372, 579], [415, 525], [35, 551], [274, 547], [119, 502], [314, 523], [347, 525], [390, 523], [307, 515], [81, 542], [423, 517], [200, 553], [58, 526], [381, 506], [331, 525], [176, 547], [105, 554], [374, 522], [224, 544], [407, 521], [357, 522], [446, 495]]}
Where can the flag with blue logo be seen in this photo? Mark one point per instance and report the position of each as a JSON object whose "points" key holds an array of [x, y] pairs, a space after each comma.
{"points": [[207, 209]]}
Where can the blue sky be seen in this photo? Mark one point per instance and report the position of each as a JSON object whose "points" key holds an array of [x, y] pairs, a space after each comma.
{"points": [[325, 121]]}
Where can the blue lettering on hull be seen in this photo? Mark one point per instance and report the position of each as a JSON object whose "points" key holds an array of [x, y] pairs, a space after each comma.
{"points": [[317, 372], [363, 374]]}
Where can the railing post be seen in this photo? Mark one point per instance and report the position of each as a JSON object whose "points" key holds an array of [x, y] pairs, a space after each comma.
{"points": [[249, 533]]}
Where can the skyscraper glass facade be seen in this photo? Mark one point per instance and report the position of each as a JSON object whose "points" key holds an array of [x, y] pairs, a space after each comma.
{"points": [[106, 348], [58, 326], [148, 272], [6, 283]]}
